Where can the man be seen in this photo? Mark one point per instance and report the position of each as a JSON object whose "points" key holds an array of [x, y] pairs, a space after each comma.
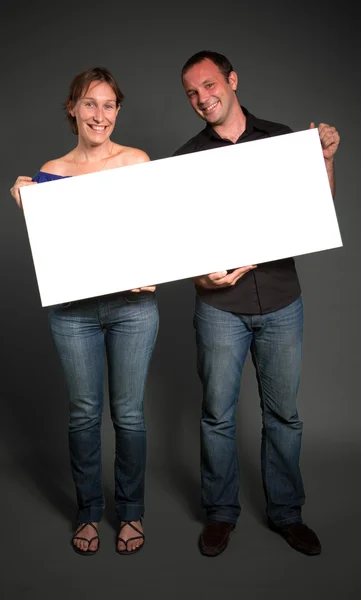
{"points": [[256, 308]]}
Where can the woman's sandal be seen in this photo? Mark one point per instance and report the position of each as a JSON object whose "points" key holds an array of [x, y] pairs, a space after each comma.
{"points": [[125, 542], [77, 537]]}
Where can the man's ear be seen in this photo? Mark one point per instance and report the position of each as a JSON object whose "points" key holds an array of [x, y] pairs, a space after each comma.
{"points": [[233, 80]]}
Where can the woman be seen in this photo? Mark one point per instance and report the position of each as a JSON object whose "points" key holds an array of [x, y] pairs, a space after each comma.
{"points": [[125, 325]]}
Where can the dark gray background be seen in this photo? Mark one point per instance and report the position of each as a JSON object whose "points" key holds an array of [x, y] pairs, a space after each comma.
{"points": [[296, 63]]}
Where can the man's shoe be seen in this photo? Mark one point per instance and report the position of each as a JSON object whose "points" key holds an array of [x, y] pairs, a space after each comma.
{"points": [[299, 536], [215, 537]]}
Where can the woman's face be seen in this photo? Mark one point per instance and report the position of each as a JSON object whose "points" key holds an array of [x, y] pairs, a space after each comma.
{"points": [[96, 113]]}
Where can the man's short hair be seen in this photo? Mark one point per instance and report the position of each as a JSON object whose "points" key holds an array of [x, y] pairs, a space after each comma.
{"points": [[220, 60]]}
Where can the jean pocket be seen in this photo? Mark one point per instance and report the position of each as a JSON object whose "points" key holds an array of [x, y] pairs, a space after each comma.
{"points": [[133, 297], [60, 306]]}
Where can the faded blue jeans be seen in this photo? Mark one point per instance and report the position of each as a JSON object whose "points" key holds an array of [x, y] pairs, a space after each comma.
{"points": [[125, 327], [275, 341]]}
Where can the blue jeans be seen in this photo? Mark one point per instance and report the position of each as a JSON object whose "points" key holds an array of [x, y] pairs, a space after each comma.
{"points": [[275, 341], [125, 327]]}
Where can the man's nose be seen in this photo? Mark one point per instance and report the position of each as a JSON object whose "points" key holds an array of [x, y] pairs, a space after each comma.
{"points": [[203, 96]]}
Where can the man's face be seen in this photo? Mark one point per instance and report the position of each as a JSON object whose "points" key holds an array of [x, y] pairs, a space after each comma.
{"points": [[211, 96]]}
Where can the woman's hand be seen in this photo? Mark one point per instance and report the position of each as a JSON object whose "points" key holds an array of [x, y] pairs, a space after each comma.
{"points": [[21, 181]]}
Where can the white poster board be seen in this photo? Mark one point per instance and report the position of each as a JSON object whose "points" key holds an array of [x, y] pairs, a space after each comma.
{"points": [[179, 217]]}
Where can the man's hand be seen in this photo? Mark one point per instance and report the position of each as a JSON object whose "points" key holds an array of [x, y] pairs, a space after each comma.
{"points": [[330, 139], [221, 279], [15, 190], [149, 288]]}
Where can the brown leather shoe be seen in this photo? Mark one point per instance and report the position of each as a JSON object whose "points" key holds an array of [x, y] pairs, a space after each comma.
{"points": [[300, 537], [214, 538]]}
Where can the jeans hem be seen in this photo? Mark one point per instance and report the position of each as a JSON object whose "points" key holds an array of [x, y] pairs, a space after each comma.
{"points": [[216, 518], [129, 512], [288, 521], [90, 515]]}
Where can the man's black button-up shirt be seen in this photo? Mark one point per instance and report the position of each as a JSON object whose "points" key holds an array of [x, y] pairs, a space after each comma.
{"points": [[271, 286]]}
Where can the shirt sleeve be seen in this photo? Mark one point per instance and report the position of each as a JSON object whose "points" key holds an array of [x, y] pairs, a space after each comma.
{"points": [[43, 177]]}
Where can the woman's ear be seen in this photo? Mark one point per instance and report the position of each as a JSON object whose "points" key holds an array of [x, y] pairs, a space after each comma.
{"points": [[70, 109]]}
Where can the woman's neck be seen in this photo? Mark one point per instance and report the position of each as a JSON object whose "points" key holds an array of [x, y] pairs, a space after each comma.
{"points": [[93, 153]]}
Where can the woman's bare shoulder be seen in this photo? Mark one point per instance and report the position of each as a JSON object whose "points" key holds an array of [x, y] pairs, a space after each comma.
{"points": [[58, 166], [127, 155]]}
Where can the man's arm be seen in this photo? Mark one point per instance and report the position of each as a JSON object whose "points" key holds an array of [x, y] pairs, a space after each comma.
{"points": [[331, 175]]}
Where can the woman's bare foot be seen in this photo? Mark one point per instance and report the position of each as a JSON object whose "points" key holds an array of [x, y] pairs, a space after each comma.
{"points": [[87, 533], [127, 532]]}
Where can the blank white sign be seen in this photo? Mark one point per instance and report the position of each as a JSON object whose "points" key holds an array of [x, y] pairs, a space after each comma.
{"points": [[179, 217]]}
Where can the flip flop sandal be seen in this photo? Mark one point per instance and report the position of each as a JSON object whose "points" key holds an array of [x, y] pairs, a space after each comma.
{"points": [[77, 537], [137, 537]]}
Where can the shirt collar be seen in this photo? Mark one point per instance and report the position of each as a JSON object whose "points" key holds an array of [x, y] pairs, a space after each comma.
{"points": [[251, 123]]}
